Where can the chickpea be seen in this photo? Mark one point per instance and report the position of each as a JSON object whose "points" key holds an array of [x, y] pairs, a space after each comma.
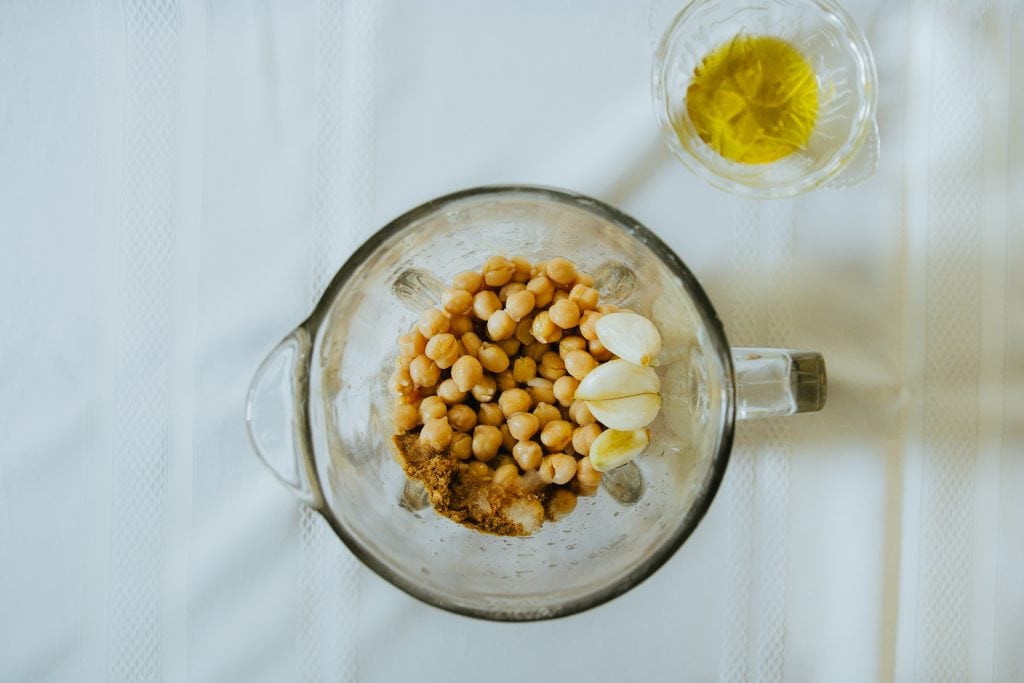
{"points": [[583, 491], [432, 322], [541, 390], [467, 372], [580, 413], [536, 350], [500, 326], [498, 271], [587, 324], [557, 468], [469, 280], [456, 301], [551, 366], [424, 372], [538, 269], [564, 313], [542, 289], [579, 363], [401, 381], [598, 351], [491, 414], [523, 269], [493, 358], [586, 473], [524, 331], [484, 390], [460, 325], [449, 392], [508, 442], [564, 389], [556, 435], [461, 417], [585, 279], [561, 503], [544, 330], [405, 417], [485, 303], [505, 381], [478, 470], [443, 350], [505, 474], [412, 344], [461, 446], [519, 304], [514, 401], [432, 408], [508, 290], [571, 343], [436, 433], [521, 425], [510, 346], [524, 369], [471, 344], [583, 437], [430, 390], [584, 297], [561, 271], [528, 455], [546, 413], [486, 442], [604, 309]]}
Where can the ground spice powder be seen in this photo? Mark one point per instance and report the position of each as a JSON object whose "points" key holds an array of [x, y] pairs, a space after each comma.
{"points": [[514, 508]]}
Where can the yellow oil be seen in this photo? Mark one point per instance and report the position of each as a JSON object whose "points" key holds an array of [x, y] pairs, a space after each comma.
{"points": [[754, 100]]}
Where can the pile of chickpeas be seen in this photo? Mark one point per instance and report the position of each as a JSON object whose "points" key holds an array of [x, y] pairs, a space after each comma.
{"points": [[490, 375]]}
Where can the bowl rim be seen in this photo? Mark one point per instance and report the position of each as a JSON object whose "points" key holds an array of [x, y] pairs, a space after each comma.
{"points": [[863, 124], [713, 325]]}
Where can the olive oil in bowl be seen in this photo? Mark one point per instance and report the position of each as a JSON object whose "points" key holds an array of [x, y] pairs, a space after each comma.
{"points": [[754, 100]]}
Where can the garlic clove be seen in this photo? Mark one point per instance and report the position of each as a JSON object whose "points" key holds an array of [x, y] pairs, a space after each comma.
{"points": [[627, 412], [629, 336], [614, 448], [617, 378]]}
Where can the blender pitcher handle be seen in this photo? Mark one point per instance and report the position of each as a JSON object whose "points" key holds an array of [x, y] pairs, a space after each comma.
{"points": [[778, 382], [275, 413]]}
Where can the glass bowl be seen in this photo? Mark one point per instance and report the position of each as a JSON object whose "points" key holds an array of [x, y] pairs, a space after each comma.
{"points": [[319, 410], [323, 395], [845, 133]]}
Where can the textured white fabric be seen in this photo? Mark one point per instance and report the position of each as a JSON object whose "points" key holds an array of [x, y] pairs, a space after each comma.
{"points": [[180, 178]]}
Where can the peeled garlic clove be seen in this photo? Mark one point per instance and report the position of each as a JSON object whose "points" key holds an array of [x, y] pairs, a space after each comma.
{"points": [[629, 336], [614, 448], [617, 378], [627, 412]]}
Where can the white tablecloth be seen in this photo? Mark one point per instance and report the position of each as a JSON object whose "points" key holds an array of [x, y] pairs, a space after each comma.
{"points": [[178, 181]]}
